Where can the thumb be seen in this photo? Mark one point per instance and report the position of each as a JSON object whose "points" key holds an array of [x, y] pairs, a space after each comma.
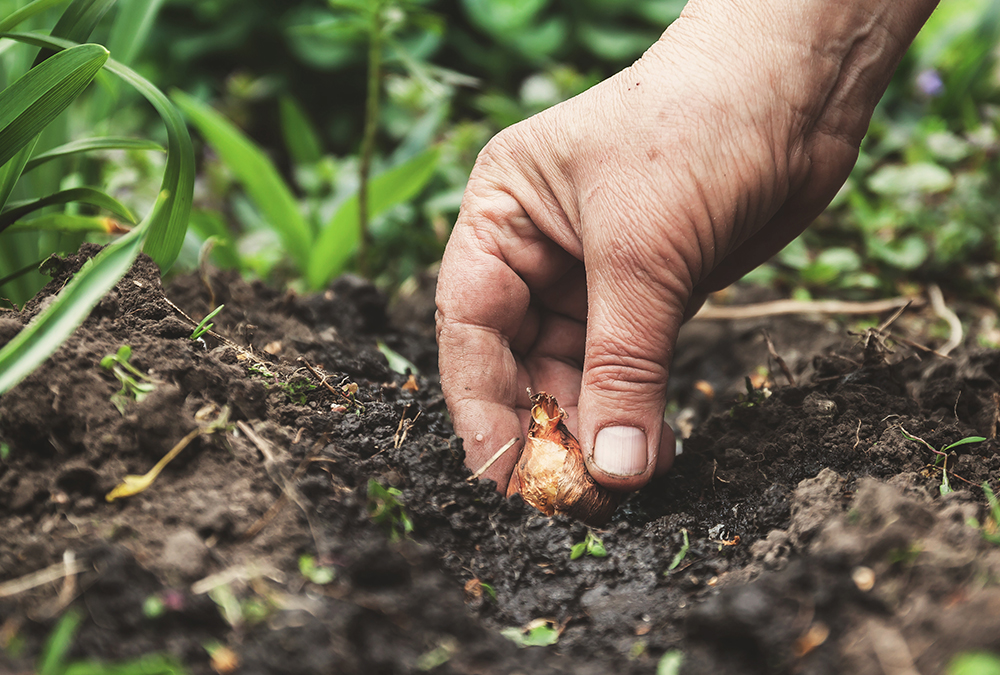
{"points": [[636, 306]]}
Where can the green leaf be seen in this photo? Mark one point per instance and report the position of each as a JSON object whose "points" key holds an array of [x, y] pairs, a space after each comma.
{"points": [[830, 265], [13, 19], [670, 663], [397, 362], [337, 241], [58, 643], [131, 28], [501, 16], [75, 24], [921, 178], [167, 229], [301, 138], [256, 173], [85, 195], [53, 325], [66, 222], [37, 97], [615, 43], [906, 254], [12, 170], [577, 550], [540, 635], [595, 548], [679, 556], [975, 663], [89, 144], [964, 441]]}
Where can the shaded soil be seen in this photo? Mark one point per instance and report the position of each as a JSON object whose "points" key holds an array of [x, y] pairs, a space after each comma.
{"points": [[801, 533]]}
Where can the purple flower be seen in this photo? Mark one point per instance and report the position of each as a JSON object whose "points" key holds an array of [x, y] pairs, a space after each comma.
{"points": [[929, 83]]}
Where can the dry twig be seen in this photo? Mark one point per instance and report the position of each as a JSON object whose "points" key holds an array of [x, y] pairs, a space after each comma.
{"points": [[944, 312], [781, 362], [499, 453], [779, 307], [41, 577]]}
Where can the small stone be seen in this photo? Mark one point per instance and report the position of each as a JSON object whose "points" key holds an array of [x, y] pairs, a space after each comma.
{"points": [[185, 554], [818, 405]]}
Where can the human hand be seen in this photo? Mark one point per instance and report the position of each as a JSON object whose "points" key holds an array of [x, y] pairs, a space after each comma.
{"points": [[590, 231]]}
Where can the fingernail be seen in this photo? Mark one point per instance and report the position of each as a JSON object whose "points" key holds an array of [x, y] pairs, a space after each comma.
{"points": [[620, 451]]}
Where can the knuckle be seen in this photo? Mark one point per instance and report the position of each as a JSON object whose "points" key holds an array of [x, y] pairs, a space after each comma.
{"points": [[621, 369]]}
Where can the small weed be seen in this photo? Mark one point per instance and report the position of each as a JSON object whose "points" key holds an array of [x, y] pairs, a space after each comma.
{"points": [[4, 452], [247, 612], [297, 390], [136, 385], [991, 529], [132, 485], [679, 556], [905, 556], [591, 545], [205, 326], [350, 393], [260, 369], [387, 511], [974, 663], [52, 661], [670, 663], [317, 574], [753, 397], [941, 458], [489, 590], [538, 633], [397, 362], [438, 656], [153, 607]]}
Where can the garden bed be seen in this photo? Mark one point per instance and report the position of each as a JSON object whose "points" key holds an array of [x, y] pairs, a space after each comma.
{"points": [[332, 529]]}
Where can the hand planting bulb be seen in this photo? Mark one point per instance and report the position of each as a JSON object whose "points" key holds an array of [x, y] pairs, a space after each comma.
{"points": [[550, 473]]}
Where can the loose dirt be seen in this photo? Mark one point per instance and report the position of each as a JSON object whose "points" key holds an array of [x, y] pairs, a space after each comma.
{"points": [[332, 528]]}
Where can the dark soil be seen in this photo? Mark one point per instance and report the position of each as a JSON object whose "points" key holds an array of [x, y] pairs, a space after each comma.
{"points": [[819, 540]]}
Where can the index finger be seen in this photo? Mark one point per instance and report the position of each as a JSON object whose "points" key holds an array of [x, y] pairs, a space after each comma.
{"points": [[493, 259]]}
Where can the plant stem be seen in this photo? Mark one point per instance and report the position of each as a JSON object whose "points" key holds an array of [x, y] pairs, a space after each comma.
{"points": [[368, 139]]}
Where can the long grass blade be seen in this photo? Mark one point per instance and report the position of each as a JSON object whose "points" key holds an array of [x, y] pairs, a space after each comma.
{"points": [[166, 233], [59, 643], [76, 23], [50, 328], [68, 223], [12, 170], [91, 144], [301, 138], [85, 195], [15, 18], [37, 97], [256, 173], [339, 239], [129, 32]]}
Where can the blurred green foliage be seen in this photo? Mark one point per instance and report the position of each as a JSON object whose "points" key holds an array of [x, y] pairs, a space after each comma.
{"points": [[923, 202], [290, 78]]}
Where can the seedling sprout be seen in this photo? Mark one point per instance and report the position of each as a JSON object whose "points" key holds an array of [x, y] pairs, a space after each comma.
{"points": [[318, 574], [205, 326], [136, 385], [387, 511], [591, 545], [941, 457], [679, 556], [538, 633]]}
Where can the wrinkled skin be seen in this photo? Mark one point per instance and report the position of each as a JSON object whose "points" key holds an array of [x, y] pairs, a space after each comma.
{"points": [[589, 232]]}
